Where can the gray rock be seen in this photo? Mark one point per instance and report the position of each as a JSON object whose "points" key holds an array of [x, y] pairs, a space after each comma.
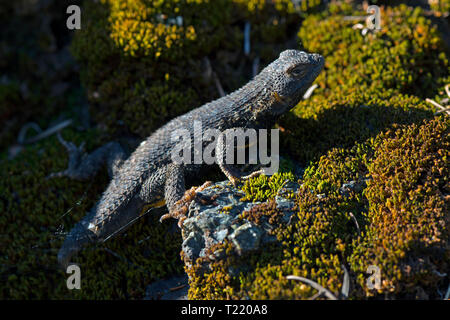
{"points": [[207, 225], [246, 237], [355, 186]]}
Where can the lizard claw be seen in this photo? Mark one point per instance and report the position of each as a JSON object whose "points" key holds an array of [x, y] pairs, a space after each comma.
{"points": [[235, 180], [181, 207], [253, 174]]}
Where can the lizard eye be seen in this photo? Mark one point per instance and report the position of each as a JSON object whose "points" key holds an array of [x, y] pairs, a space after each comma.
{"points": [[298, 71]]}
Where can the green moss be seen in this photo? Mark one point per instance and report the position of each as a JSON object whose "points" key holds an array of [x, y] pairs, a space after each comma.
{"points": [[34, 212], [398, 221], [441, 7], [142, 68], [407, 54], [407, 235], [263, 187], [37, 73], [320, 123]]}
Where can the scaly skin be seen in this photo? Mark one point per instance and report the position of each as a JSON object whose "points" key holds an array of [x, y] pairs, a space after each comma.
{"points": [[149, 175]]}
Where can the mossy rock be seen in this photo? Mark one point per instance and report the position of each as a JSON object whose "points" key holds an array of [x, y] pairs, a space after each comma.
{"points": [[369, 82], [36, 214], [320, 123], [407, 54], [397, 220]]}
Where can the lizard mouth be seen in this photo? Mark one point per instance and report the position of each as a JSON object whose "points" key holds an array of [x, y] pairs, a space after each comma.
{"points": [[281, 104]]}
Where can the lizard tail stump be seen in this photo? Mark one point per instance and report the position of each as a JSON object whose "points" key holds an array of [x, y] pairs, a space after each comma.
{"points": [[78, 237]]}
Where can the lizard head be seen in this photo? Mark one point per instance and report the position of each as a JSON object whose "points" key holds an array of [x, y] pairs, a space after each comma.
{"points": [[289, 77]]}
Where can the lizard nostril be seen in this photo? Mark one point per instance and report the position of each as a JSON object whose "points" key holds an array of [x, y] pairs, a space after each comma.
{"points": [[317, 59]]}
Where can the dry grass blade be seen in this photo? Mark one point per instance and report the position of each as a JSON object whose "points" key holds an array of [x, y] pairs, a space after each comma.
{"points": [[346, 283], [356, 222], [315, 285], [447, 295], [309, 92], [218, 84], [437, 105]]}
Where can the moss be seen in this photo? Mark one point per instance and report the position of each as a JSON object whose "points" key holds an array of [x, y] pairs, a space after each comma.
{"points": [[34, 66], [397, 221], [407, 54], [263, 187], [382, 81], [153, 29], [266, 212], [441, 7], [316, 125], [35, 211], [141, 67], [407, 235]]}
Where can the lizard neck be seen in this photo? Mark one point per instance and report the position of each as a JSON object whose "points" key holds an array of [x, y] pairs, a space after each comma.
{"points": [[249, 104]]}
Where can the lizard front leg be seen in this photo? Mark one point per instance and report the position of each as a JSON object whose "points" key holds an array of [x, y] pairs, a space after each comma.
{"points": [[221, 150], [83, 166], [175, 194]]}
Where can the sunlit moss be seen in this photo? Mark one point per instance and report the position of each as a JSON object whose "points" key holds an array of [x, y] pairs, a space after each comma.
{"points": [[263, 187], [397, 220], [407, 54]]}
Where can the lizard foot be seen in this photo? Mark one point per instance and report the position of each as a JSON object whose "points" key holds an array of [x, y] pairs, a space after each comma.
{"points": [[235, 179], [181, 207], [75, 156]]}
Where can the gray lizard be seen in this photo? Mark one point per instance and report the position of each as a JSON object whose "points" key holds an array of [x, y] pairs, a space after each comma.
{"points": [[149, 177]]}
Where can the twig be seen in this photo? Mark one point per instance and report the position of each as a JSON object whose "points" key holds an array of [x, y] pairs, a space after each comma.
{"points": [[353, 18], [177, 288], [41, 134], [218, 84], [315, 285], [437, 105], [255, 66], [317, 295]]}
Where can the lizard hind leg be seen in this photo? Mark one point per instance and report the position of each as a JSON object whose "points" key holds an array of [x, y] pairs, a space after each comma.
{"points": [[83, 166], [181, 207], [175, 194]]}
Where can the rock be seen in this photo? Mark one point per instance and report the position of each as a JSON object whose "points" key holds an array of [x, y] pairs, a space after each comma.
{"points": [[247, 237], [211, 224], [353, 186]]}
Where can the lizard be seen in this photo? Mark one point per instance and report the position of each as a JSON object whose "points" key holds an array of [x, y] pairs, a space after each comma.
{"points": [[149, 177]]}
